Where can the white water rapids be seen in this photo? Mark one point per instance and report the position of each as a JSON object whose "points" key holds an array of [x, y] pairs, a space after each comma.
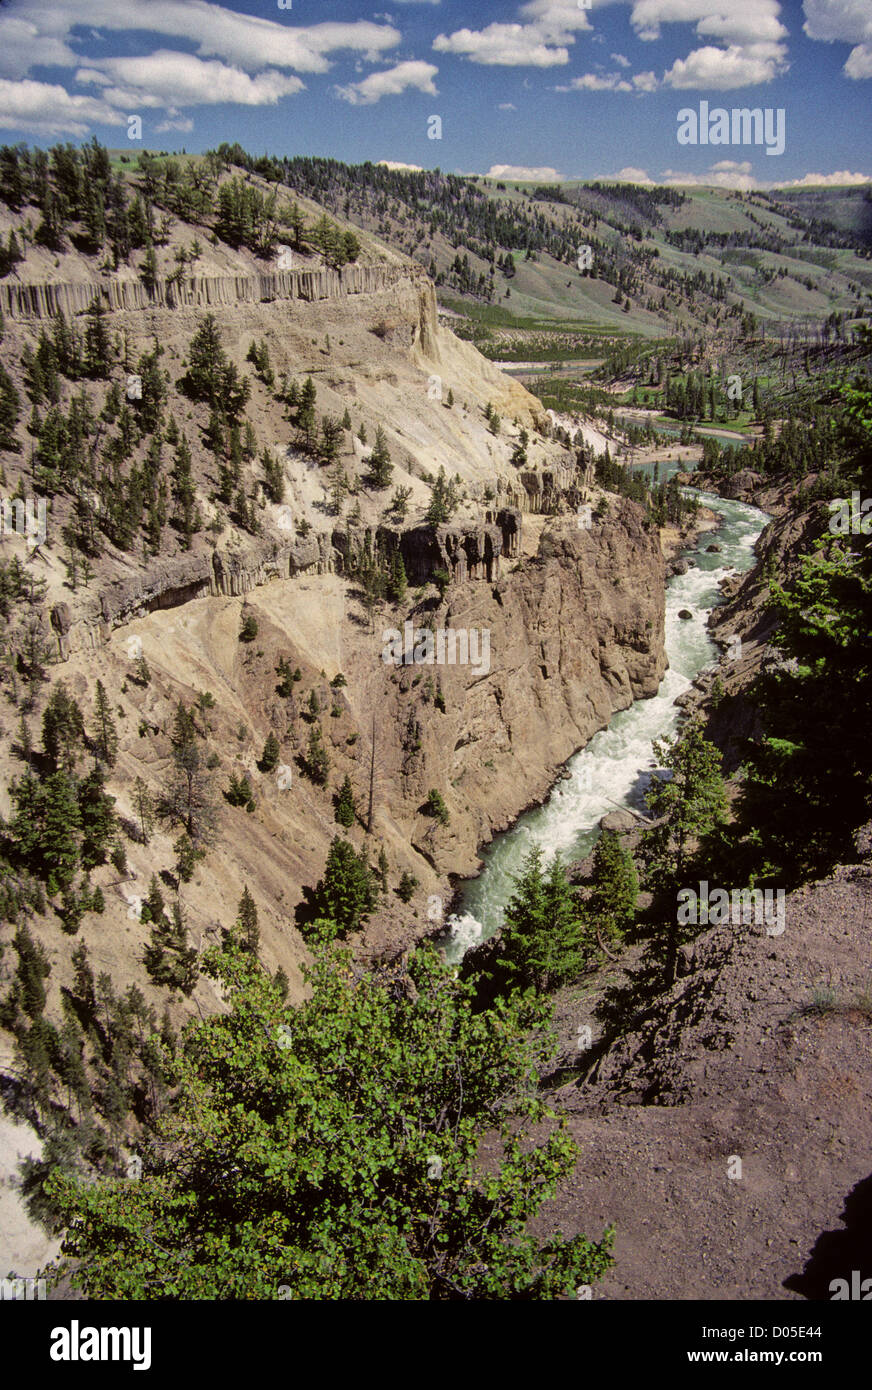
{"points": [[615, 768]]}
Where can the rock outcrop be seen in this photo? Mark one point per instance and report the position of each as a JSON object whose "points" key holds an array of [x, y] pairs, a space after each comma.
{"points": [[45, 300]]}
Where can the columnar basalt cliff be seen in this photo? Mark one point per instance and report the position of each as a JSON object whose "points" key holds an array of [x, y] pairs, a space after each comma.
{"points": [[44, 301]]}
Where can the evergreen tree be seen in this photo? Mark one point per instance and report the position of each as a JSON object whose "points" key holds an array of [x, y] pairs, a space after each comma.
{"points": [[443, 500], [10, 409], [186, 517], [542, 932], [271, 753], [143, 809], [346, 811], [397, 583], [346, 894], [63, 728], [615, 884], [380, 466], [246, 922], [104, 734], [188, 799], [317, 759], [97, 819], [688, 806]]}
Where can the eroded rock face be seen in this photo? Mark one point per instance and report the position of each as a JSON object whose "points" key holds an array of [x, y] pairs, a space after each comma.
{"points": [[172, 583], [573, 636]]}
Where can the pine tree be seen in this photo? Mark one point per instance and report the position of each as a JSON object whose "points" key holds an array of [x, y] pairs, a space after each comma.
{"points": [[271, 753], [542, 931], [104, 734], [10, 409], [317, 758], [615, 884], [188, 798], [688, 806], [98, 345], [246, 921], [186, 517], [346, 811], [397, 583], [380, 466], [98, 821], [443, 500], [346, 894], [63, 728], [382, 869]]}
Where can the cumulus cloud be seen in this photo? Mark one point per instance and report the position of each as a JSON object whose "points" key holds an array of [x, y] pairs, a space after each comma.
{"points": [[183, 123], [391, 82], [33, 33], [621, 61], [826, 180], [541, 41], [748, 40], [733, 174], [611, 82], [49, 109], [397, 164], [507, 106], [722, 69], [738, 177], [592, 82], [521, 173], [627, 175], [171, 79], [847, 21]]}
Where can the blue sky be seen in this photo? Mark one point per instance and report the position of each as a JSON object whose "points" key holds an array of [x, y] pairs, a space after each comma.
{"points": [[541, 88]]}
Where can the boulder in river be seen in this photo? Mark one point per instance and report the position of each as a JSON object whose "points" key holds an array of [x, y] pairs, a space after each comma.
{"points": [[713, 549], [679, 567], [684, 614]]}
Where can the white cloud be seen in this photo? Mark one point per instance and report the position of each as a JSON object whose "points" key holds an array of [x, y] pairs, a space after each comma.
{"points": [[611, 82], [502, 45], [184, 124], [628, 175], [507, 106], [735, 175], [591, 82], [391, 82], [398, 164], [716, 178], [521, 173], [48, 109], [826, 180], [722, 69], [848, 21], [734, 21], [748, 40], [173, 80], [34, 33], [542, 41], [621, 61]]}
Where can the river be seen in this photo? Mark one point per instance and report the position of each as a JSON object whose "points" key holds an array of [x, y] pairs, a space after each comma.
{"points": [[615, 768]]}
